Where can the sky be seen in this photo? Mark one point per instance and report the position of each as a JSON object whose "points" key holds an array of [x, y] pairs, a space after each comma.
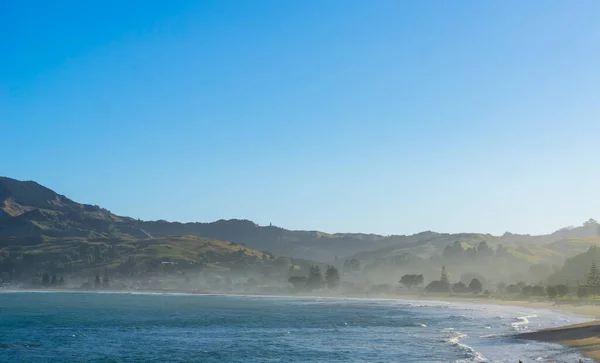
{"points": [[388, 117]]}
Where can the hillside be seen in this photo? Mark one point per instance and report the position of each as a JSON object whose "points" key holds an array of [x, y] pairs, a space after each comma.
{"points": [[69, 255], [32, 211], [575, 269]]}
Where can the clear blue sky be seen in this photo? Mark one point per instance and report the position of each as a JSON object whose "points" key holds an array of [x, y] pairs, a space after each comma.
{"points": [[375, 116]]}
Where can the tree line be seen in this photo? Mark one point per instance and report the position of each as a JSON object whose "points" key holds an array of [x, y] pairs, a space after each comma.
{"points": [[315, 279]]}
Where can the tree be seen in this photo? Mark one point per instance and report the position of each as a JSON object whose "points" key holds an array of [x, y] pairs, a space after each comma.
{"points": [[97, 282], [475, 286], [315, 279], [552, 292], [513, 289], [501, 287], [298, 282], [411, 280], [538, 291], [455, 251], [332, 277], [593, 279], [582, 291], [467, 277], [562, 290], [459, 288], [437, 286], [444, 277], [443, 285]]}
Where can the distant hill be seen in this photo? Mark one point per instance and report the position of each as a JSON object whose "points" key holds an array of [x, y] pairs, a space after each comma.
{"points": [[30, 211]]}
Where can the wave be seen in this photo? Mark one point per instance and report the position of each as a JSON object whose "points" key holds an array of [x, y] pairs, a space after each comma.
{"points": [[420, 325], [522, 322], [473, 355], [461, 317]]}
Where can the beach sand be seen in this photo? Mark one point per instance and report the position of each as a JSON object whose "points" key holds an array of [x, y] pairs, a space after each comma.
{"points": [[585, 337]]}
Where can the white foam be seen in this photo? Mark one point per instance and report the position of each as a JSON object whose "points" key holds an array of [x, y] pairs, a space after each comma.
{"points": [[475, 356], [522, 322]]}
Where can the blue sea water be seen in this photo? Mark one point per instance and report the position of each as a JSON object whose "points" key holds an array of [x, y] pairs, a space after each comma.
{"points": [[92, 327]]}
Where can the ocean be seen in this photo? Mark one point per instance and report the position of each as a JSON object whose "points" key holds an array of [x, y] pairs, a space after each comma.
{"points": [[132, 327]]}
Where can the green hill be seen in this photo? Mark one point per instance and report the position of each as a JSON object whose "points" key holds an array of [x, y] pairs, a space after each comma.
{"points": [[27, 256], [32, 212]]}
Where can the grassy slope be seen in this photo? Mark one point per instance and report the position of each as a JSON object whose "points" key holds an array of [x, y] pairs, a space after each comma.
{"points": [[551, 253], [187, 249], [41, 211]]}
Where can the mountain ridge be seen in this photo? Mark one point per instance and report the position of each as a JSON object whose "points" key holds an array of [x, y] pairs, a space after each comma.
{"points": [[29, 209]]}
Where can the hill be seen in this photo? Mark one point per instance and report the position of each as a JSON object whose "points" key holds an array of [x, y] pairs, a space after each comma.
{"points": [[575, 269], [68, 255], [29, 210]]}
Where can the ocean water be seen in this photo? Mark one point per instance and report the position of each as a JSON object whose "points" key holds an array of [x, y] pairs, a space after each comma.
{"points": [[88, 327]]}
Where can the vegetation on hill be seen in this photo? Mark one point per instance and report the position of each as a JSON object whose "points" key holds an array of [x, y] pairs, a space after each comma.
{"points": [[28, 209], [576, 268], [43, 233], [20, 258]]}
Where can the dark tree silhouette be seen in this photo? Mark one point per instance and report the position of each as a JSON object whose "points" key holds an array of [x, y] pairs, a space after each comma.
{"points": [[332, 277], [411, 280], [538, 291], [437, 286], [315, 278], [552, 292], [475, 286], [460, 288], [444, 277], [562, 290], [443, 285], [501, 287], [593, 279], [513, 289]]}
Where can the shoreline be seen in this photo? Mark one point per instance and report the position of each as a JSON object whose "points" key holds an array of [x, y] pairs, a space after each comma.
{"points": [[583, 337]]}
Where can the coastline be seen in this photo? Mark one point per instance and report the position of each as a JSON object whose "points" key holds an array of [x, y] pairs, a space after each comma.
{"points": [[583, 337]]}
